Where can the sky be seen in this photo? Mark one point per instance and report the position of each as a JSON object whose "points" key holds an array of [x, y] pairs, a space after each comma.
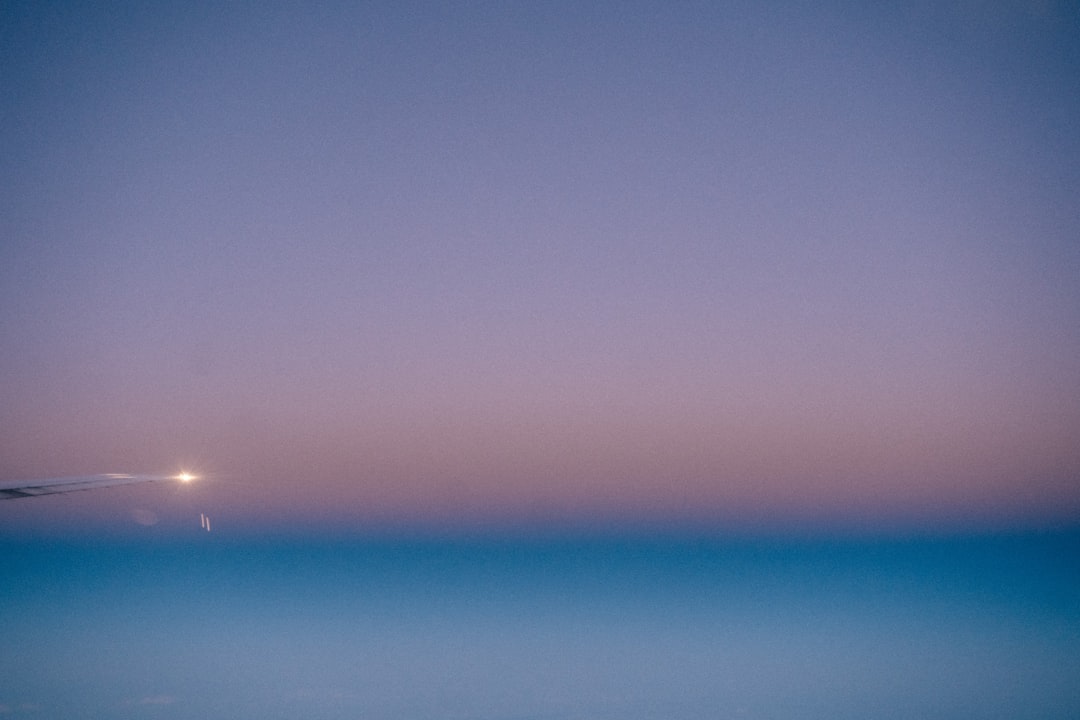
{"points": [[508, 264]]}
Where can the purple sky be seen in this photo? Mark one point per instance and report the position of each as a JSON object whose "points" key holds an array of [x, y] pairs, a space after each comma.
{"points": [[709, 262]]}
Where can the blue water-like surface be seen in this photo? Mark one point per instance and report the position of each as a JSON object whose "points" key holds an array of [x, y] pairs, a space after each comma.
{"points": [[984, 627]]}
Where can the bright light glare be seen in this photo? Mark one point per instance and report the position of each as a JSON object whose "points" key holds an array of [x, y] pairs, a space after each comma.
{"points": [[185, 477]]}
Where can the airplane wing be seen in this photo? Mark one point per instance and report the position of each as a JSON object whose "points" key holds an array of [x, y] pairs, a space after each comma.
{"points": [[14, 489]]}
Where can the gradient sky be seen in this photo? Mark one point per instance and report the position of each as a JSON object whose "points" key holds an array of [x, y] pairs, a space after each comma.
{"points": [[505, 262]]}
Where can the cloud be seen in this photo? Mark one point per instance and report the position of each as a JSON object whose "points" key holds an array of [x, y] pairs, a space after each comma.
{"points": [[152, 700], [144, 517], [323, 694]]}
